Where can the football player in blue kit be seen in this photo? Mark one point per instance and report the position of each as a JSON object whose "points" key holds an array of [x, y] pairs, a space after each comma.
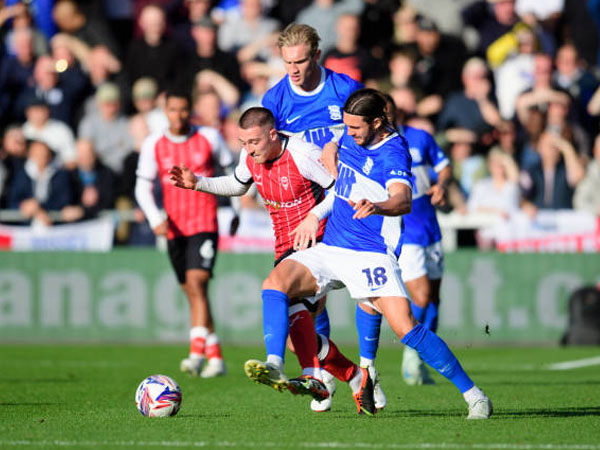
{"points": [[363, 239], [308, 102]]}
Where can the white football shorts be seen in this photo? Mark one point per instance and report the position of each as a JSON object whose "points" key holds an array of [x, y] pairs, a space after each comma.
{"points": [[365, 274], [416, 261]]}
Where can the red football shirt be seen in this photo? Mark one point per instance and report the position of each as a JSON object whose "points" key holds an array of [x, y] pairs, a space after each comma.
{"points": [[290, 186], [189, 212]]}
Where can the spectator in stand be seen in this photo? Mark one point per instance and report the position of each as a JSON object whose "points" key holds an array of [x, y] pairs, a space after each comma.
{"points": [[54, 133], [93, 185], [208, 56], [405, 26], [20, 15], [103, 68], [197, 10], [498, 193], [472, 107], [12, 156], [40, 185], [145, 100], [153, 55], [492, 19], [581, 28], [438, 66], [549, 184], [322, 15], [60, 96], [445, 13], [558, 120], [207, 110], [258, 80], [466, 166], [91, 32], [542, 91], [507, 142], [377, 30], [515, 74], [108, 130], [209, 80], [16, 73], [573, 78], [586, 196], [347, 56], [250, 25]]}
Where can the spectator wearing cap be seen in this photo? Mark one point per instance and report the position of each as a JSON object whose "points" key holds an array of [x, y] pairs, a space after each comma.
{"points": [[153, 55], [54, 133], [149, 118], [109, 130], [93, 185], [466, 166], [438, 65], [471, 108], [40, 185], [207, 56], [249, 26]]}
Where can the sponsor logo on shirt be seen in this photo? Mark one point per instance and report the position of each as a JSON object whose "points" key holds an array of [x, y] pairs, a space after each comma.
{"points": [[278, 205], [292, 120], [399, 173]]}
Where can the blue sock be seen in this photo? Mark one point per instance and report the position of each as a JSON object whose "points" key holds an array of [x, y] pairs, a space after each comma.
{"points": [[431, 317], [322, 323], [368, 326], [275, 321], [436, 353], [418, 312]]}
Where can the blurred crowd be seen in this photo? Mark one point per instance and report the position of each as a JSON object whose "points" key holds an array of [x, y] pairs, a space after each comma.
{"points": [[509, 88]]}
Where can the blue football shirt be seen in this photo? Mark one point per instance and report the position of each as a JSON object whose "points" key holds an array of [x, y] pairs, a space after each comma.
{"points": [[366, 173]]}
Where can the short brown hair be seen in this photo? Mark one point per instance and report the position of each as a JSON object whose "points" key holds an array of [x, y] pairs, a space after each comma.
{"points": [[296, 34], [256, 117]]}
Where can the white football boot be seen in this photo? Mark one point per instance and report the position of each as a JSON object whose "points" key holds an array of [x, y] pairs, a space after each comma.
{"points": [[214, 367], [192, 365], [480, 409], [414, 370], [380, 400], [325, 405]]}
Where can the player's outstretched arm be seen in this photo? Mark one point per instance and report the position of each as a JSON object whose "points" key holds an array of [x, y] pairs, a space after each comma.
{"points": [[182, 177], [329, 158], [399, 203]]}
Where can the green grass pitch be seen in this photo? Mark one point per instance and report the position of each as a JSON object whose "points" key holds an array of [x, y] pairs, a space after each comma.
{"points": [[63, 396]]}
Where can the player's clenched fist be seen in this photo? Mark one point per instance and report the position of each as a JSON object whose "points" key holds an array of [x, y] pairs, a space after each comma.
{"points": [[182, 177]]}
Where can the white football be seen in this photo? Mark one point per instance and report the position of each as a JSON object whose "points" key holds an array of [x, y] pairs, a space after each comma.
{"points": [[158, 396]]}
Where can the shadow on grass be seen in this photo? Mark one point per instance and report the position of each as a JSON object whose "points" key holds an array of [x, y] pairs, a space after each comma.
{"points": [[38, 380], [570, 411]]}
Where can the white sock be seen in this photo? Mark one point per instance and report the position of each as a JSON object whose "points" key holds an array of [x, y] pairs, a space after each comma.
{"points": [[212, 339], [473, 395], [366, 362], [356, 381], [198, 332], [277, 361], [314, 372], [326, 376]]}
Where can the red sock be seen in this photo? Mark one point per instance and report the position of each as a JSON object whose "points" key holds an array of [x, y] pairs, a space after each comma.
{"points": [[335, 362], [198, 346], [213, 349], [304, 338]]}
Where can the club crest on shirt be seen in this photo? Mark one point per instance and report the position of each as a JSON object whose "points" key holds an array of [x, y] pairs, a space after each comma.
{"points": [[335, 113], [368, 166], [284, 182], [258, 179]]}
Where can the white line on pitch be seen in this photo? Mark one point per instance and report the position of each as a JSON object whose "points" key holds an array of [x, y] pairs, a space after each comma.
{"points": [[576, 364], [318, 445]]}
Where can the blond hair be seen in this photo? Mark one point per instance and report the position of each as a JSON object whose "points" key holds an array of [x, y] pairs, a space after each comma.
{"points": [[297, 34]]}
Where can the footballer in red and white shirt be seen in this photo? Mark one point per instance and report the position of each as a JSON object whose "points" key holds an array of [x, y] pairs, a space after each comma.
{"points": [[190, 225], [292, 181]]}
